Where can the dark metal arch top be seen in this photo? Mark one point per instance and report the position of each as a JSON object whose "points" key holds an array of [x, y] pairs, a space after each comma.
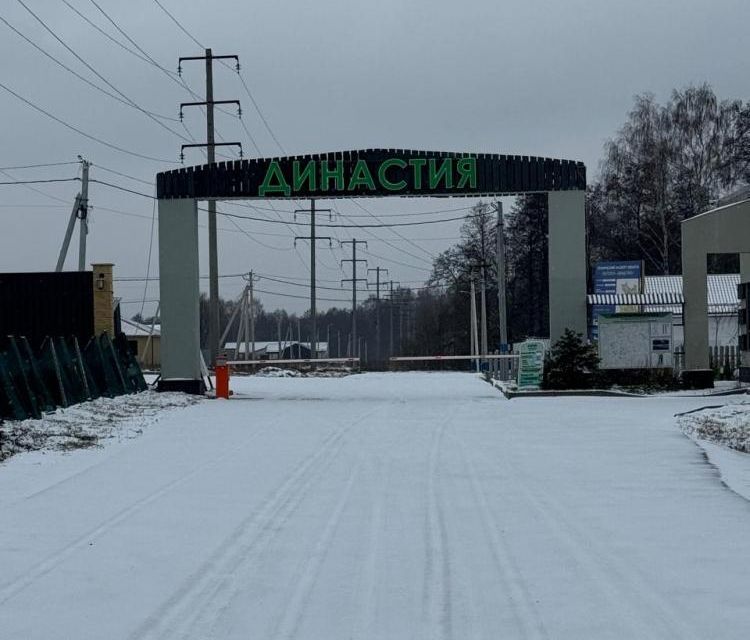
{"points": [[373, 173]]}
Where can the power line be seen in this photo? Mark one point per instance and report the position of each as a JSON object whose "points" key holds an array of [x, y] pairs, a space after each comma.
{"points": [[104, 33], [40, 181], [39, 166], [150, 183], [81, 132], [96, 73], [387, 225], [49, 196], [260, 113], [143, 57], [79, 76], [177, 22]]}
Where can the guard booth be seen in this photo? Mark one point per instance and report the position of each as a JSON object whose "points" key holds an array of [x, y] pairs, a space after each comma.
{"points": [[636, 341], [358, 174]]}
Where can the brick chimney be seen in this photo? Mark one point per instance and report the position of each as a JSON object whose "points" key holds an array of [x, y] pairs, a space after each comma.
{"points": [[104, 319]]}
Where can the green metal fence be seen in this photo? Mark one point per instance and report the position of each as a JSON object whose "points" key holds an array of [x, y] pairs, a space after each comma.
{"points": [[62, 374]]}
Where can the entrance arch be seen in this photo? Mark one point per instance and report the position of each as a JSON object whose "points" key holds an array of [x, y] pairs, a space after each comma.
{"points": [[370, 173]]}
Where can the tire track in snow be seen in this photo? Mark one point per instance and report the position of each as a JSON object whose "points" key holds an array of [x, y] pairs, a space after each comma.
{"points": [[212, 603], [437, 572], [528, 618], [195, 602], [188, 606], [621, 585], [290, 621], [367, 587], [39, 570]]}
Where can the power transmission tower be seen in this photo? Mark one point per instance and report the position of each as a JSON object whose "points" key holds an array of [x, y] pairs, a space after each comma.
{"points": [[313, 239], [210, 145], [80, 212], [354, 281], [378, 271]]}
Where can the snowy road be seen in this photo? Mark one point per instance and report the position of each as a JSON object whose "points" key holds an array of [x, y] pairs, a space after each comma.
{"points": [[379, 506]]}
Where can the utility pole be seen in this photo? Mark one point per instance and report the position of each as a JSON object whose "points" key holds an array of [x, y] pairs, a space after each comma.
{"points": [[278, 326], [80, 212], [210, 145], [390, 317], [313, 239], [501, 295], [299, 339], [83, 215], [474, 336], [501, 300], [378, 352], [483, 284], [354, 281], [250, 316]]}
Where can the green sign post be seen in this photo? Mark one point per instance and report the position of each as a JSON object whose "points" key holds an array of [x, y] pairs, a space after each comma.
{"points": [[531, 364]]}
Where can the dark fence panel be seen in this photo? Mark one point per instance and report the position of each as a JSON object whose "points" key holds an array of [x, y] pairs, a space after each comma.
{"points": [[37, 305]]}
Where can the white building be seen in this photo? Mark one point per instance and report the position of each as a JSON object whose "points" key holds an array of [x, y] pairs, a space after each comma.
{"points": [[664, 294]]}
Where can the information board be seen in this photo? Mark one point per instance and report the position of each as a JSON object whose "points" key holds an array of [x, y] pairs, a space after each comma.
{"points": [[530, 364], [613, 278]]}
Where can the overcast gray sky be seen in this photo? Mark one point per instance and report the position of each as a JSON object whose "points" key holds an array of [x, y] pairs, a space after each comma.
{"points": [[552, 78]]}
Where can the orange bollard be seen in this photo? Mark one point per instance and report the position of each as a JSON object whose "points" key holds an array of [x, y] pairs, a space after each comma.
{"points": [[222, 378]]}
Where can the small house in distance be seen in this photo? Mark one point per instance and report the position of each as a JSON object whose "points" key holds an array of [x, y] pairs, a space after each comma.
{"points": [[145, 345], [269, 350]]}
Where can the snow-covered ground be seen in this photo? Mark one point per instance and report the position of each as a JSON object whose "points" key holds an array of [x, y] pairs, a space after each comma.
{"points": [[89, 423], [724, 434], [379, 506]]}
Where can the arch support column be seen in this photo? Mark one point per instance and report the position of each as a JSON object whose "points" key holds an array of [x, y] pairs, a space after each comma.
{"points": [[179, 295], [567, 263]]}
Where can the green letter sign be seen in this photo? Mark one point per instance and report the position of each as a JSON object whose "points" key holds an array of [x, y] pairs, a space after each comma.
{"points": [[384, 181], [274, 173], [361, 176]]}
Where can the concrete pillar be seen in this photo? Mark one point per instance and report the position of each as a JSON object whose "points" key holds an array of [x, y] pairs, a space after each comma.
{"points": [[179, 291], [745, 267], [104, 318], [567, 262], [695, 292]]}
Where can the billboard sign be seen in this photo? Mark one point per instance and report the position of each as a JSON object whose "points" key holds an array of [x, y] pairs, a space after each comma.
{"points": [[618, 277]]}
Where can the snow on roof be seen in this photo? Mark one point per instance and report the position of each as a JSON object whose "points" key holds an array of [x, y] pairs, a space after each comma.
{"points": [[134, 329], [722, 290], [664, 293]]}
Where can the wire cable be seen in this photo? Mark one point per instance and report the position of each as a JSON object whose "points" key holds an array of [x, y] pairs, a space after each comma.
{"points": [[96, 73], [79, 76], [177, 22], [39, 166], [83, 133], [41, 181]]}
